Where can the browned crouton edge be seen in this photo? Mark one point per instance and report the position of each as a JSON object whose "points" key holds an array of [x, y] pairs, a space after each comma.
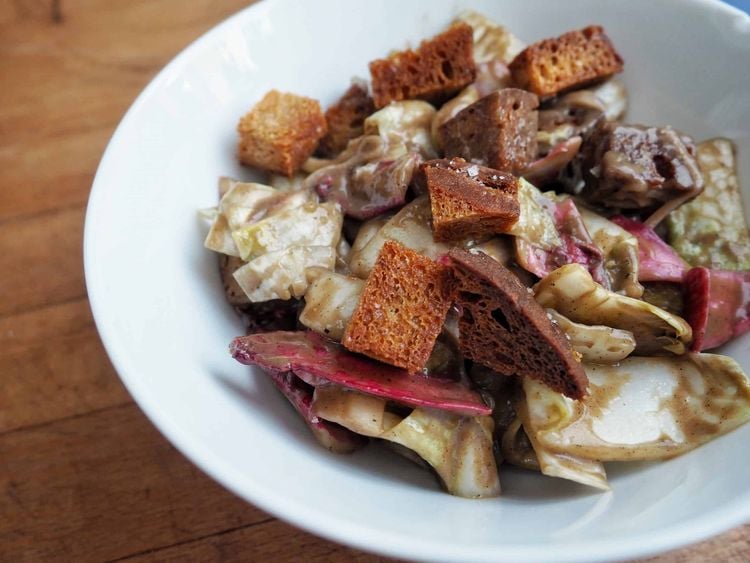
{"points": [[468, 200], [345, 120], [402, 308], [280, 132], [439, 68], [502, 327], [570, 61]]}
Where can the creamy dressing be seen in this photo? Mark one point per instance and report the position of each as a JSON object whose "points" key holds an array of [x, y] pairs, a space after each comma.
{"points": [[571, 291], [330, 302], [644, 408], [410, 227], [459, 448]]}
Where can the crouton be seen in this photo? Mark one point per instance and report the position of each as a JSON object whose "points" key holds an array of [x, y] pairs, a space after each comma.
{"points": [[498, 131], [280, 132], [438, 69], [468, 200], [402, 309], [345, 120], [503, 328], [574, 59]]}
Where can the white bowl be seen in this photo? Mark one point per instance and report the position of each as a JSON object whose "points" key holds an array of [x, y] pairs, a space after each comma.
{"points": [[160, 310]]}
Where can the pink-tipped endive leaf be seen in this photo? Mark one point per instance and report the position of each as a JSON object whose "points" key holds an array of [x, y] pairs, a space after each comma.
{"points": [[717, 306], [317, 361], [367, 179], [657, 260], [575, 244]]}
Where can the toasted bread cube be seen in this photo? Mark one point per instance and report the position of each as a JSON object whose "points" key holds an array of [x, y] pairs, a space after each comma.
{"points": [[572, 60], [346, 120], [402, 308], [439, 68], [498, 131], [468, 200], [281, 132]]}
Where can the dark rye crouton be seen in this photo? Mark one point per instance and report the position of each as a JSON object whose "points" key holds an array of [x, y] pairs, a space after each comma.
{"points": [[468, 200], [281, 132], [439, 68], [402, 308], [498, 131], [503, 328], [572, 60], [345, 120]]}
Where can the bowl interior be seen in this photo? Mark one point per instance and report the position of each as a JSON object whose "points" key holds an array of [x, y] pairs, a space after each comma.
{"points": [[159, 306]]}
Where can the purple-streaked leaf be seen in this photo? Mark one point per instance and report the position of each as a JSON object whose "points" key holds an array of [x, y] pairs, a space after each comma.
{"points": [[717, 306], [367, 182], [575, 247], [317, 361], [656, 259], [331, 436]]}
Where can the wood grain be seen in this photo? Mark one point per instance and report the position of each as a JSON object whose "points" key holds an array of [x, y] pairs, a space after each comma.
{"points": [[54, 366], [258, 542], [83, 475], [68, 76], [731, 547], [41, 260], [102, 486]]}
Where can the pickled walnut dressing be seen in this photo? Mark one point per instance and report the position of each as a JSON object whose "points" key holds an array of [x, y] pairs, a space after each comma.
{"points": [[682, 403]]}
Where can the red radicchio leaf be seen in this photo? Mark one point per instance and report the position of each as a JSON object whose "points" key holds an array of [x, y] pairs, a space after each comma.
{"points": [[717, 306], [657, 261], [317, 361], [335, 437], [696, 289]]}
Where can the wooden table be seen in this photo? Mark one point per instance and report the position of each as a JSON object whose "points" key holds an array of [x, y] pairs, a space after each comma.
{"points": [[83, 474]]}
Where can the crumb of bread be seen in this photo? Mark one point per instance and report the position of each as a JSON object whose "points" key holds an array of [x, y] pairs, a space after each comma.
{"points": [[499, 131]]}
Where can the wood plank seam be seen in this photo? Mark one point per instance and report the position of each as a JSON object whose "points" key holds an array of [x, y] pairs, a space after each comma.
{"points": [[39, 425], [39, 308], [192, 540], [23, 217]]}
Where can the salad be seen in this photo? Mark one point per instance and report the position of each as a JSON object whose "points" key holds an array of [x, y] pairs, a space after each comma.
{"points": [[474, 258]]}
